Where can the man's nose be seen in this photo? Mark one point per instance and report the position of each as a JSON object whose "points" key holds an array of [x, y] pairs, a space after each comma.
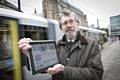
{"points": [[69, 24]]}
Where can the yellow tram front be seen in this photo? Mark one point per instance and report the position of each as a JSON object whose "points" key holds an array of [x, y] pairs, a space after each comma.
{"points": [[10, 63]]}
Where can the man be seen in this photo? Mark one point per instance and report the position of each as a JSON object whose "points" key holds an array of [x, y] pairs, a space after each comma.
{"points": [[79, 58]]}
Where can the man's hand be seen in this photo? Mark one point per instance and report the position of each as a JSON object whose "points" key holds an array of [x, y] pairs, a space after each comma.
{"points": [[56, 69], [24, 45]]}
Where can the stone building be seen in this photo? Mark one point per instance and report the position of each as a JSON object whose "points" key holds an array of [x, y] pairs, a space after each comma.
{"points": [[52, 9]]}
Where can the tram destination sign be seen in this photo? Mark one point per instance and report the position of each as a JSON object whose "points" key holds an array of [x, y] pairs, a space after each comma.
{"points": [[42, 55]]}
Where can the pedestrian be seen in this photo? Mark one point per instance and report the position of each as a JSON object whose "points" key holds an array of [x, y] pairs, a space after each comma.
{"points": [[79, 58]]}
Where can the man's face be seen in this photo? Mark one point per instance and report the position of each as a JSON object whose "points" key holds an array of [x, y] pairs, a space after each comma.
{"points": [[69, 26]]}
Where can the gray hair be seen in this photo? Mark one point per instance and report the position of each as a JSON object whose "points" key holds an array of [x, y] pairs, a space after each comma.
{"points": [[68, 12]]}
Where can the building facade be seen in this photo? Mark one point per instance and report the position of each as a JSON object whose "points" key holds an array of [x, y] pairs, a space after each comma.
{"points": [[52, 9], [115, 25]]}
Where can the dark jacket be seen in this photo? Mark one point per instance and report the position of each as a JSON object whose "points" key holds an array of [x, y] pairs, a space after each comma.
{"points": [[82, 61]]}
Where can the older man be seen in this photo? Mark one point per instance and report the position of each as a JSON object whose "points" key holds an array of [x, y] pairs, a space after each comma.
{"points": [[79, 58]]}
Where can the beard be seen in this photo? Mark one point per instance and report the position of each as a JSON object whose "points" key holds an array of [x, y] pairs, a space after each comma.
{"points": [[71, 35]]}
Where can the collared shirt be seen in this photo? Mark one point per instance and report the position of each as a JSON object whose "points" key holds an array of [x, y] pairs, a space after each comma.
{"points": [[70, 40], [70, 43]]}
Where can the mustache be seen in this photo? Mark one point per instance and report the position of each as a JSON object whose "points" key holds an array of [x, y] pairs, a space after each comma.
{"points": [[69, 29]]}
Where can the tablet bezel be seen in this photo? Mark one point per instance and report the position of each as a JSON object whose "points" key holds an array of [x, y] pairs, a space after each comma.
{"points": [[31, 60]]}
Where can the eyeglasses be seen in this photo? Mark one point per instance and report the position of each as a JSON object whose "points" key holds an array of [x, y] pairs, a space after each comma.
{"points": [[71, 22]]}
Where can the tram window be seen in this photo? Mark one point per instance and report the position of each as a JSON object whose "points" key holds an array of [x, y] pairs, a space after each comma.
{"points": [[35, 28], [1, 23], [5, 53], [43, 35], [30, 27], [34, 32], [31, 34], [8, 49], [25, 27]]}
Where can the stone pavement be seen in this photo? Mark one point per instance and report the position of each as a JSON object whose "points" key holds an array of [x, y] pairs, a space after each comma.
{"points": [[111, 61]]}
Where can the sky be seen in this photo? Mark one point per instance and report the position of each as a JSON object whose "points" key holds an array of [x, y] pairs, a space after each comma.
{"points": [[94, 9], [101, 9], [28, 6]]}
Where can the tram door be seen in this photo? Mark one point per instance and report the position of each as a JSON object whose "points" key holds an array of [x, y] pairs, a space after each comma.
{"points": [[10, 66]]}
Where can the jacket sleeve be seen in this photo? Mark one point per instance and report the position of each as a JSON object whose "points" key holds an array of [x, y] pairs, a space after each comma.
{"points": [[93, 68]]}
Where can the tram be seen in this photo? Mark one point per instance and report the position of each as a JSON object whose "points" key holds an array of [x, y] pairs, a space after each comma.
{"points": [[93, 33], [10, 68], [15, 25]]}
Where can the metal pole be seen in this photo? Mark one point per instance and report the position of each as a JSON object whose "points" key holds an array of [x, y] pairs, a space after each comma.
{"points": [[19, 6]]}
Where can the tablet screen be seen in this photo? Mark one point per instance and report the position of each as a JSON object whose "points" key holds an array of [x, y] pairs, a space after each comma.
{"points": [[42, 55]]}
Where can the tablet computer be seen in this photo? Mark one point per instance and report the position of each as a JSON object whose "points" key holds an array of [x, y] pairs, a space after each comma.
{"points": [[42, 55]]}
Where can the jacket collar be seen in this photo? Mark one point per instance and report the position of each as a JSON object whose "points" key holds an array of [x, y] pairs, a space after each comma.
{"points": [[81, 40]]}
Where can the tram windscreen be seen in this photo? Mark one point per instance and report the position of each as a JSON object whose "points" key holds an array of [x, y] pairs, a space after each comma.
{"points": [[7, 60]]}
